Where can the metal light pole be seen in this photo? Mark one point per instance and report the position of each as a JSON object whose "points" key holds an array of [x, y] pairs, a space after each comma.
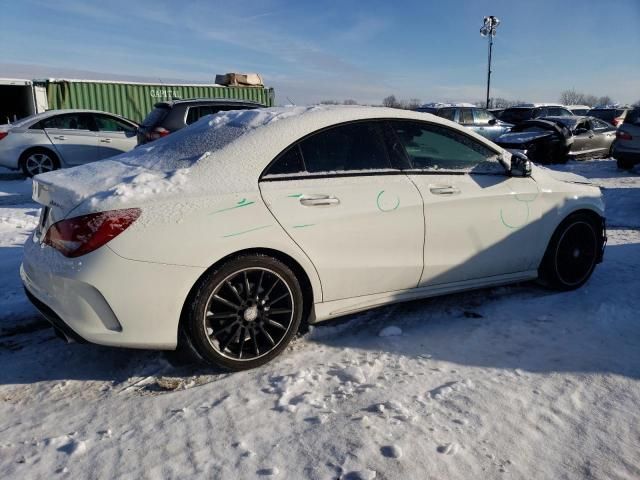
{"points": [[489, 30]]}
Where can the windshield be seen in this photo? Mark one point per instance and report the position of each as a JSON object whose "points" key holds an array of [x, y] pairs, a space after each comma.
{"points": [[516, 115]]}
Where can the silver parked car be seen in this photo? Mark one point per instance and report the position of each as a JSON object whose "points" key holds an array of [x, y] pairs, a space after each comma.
{"points": [[64, 138]]}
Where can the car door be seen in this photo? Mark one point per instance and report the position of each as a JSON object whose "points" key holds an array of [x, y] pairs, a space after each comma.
{"points": [[479, 220], [583, 139], [74, 137], [605, 135], [486, 124], [115, 135], [350, 209]]}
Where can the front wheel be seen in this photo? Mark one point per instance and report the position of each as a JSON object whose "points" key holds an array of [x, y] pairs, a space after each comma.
{"points": [[244, 313], [572, 254]]}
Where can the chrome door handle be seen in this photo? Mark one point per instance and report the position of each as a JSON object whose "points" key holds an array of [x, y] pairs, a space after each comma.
{"points": [[450, 190], [319, 200], [60, 137], [105, 140]]}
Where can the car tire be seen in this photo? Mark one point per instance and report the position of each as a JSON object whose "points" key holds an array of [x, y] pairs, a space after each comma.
{"points": [[38, 160], [244, 313], [572, 254], [624, 164]]}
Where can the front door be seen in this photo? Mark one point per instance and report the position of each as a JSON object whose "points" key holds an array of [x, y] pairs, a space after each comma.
{"points": [[358, 219], [478, 219], [115, 136], [73, 136]]}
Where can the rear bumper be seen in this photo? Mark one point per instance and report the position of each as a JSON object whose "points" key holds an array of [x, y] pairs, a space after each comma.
{"points": [[105, 299], [56, 322]]}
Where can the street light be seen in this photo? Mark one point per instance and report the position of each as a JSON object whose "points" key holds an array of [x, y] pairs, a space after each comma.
{"points": [[489, 30]]}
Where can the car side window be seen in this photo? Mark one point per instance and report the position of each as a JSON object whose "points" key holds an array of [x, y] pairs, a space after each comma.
{"points": [[448, 113], [599, 124], [435, 148], [196, 113], [466, 117], [70, 121], [355, 146], [106, 123], [289, 162], [482, 117]]}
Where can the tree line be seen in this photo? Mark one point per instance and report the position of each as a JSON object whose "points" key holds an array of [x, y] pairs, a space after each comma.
{"points": [[567, 97]]}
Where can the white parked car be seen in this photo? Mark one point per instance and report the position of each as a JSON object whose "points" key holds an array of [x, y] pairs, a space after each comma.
{"points": [[232, 232], [64, 138]]}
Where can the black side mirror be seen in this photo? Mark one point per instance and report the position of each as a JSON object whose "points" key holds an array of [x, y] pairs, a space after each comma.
{"points": [[493, 121], [580, 131], [520, 165]]}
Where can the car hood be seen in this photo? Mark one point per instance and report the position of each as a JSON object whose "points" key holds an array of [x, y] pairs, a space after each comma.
{"points": [[566, 176], [521, 137]]}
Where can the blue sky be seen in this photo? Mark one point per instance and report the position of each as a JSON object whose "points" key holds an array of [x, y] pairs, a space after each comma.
{"points": [[315, 50]]}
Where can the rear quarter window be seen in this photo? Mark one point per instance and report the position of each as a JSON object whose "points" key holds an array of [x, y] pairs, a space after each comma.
{"points": [[155, 116]]}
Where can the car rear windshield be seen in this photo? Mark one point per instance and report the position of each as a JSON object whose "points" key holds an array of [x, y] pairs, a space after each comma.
{"points": [[156, 116], [606, 114], [516, 115], [633, 117]]}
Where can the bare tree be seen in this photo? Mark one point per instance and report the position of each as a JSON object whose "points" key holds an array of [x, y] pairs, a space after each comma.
{"points": [[605, 100], [413, 103], [637, 104], [350, 101], [329, 102], [391, 101], [571, 97]]}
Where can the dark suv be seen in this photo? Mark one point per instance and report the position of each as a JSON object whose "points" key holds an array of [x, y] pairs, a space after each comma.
{"points": [[614, 116], [517, 115], [168, 117]]}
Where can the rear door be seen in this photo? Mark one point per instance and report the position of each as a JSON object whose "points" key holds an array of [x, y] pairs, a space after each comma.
{"points": [[115, 135], [478, 219], [583, 139], [605, 134], [342, 199], [74, 137]]}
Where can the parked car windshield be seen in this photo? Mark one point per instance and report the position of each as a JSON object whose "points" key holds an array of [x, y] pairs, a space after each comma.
{"points": [[516, 115]]}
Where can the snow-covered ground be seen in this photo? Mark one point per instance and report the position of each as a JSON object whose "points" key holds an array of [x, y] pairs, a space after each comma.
{"points": [[515, 382]]}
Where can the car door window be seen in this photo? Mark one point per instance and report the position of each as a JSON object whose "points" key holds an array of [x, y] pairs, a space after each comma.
{"points": [[196, 113], [482, 117], [599, 125], [289, 162], [448, 113], [356, 146], [105, 123], [71, 121], [466, 117], [437, 148]]}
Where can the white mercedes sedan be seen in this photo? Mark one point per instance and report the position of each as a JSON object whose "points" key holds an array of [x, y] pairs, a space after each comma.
{"points": [[228, 236], [64, 138]]}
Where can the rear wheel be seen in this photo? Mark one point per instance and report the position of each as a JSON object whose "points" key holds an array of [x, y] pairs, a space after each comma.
{"points": [[572, 253], [244, 313], [624, 164], [40, 160]]}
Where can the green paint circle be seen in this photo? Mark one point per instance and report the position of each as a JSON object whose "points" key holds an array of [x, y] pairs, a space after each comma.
{"points": [[379, 197]]}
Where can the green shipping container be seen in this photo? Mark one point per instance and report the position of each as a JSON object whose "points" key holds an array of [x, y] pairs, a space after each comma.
{"points": [[135, 100]]}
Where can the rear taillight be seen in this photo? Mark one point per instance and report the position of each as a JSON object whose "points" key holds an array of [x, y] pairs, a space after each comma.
{"points": [[3, 134], [616, 121], [620, 135], [157, 133], [78, 236]]}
